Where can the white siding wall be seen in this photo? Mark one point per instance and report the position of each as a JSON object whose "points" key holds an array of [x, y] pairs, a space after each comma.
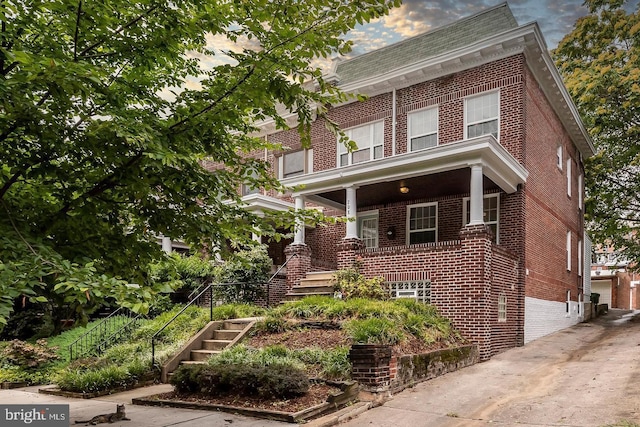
{"points": [[542, 317]]}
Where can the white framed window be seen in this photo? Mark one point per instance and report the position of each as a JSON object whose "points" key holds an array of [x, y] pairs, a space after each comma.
{"points": [[422, 223], [295, 163], [569, 177], [482, 115], [559, 157], [568, 304], [502, 308], [369, 140], [580, 258], [368, 228], [248, 189], [580, 190], [568, 250], [422, 129], [490, 213]]}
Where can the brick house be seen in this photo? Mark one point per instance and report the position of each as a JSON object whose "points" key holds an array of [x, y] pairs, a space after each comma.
{"points": [[466, 189], [614, 279]]}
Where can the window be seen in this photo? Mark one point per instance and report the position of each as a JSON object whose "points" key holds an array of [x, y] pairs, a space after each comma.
{"points": [[559, 157], [569, 177], [295, 163], [368, 228], [579, 257], [422, 223], [568, 251], [490, 213], [580, 192], [502, 308], [422, 129], [482, 114], [369, 140], [248, 188], [568, 302]]}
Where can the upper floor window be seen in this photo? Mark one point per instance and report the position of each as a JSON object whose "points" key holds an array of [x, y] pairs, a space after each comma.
{"points": [[559, 157], [368, 228], [248, 188], [482, 115], [422, 129], [295, 163], [569, 177], [490, 213], [568, 250], [369, 140], [422, 223]]}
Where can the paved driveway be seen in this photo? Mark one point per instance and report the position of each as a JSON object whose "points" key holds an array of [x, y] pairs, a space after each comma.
{"points": [[587, 375]]}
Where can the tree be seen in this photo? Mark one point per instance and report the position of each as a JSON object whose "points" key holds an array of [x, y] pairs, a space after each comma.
{"points": [[600, 62], [107, 110]]}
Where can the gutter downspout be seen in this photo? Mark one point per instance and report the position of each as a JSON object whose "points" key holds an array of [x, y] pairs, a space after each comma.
{"points": [[393, 123]]}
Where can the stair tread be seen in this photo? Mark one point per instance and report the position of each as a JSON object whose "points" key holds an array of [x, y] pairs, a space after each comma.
{"points": [[203, 350], [217, 341]]}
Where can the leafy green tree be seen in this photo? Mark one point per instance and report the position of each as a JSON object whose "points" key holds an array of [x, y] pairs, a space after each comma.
{"points": [[600, 62], [108, 110]]}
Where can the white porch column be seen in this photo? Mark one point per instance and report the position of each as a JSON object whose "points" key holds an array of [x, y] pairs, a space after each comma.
{"points": [[352, 211], [166, 244], [476, 202], [298, 238]]}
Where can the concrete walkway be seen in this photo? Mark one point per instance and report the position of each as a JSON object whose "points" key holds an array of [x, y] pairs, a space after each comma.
{"points": [[587, 375]]}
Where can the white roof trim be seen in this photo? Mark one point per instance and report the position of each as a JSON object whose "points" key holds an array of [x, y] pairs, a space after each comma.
{"points": [[498, 165], [261, 203]]}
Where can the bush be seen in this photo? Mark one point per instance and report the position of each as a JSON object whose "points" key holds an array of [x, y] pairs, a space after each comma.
{"points": [[274, 381], [374, 331], [25, 355], [250, 268], [351, 284]]}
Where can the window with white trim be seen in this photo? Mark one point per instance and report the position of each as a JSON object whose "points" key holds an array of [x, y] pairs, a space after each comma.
{"points": [[568, 250], [559, 157], [568, 304], [248, 189], [569, 177], [490, 213], [422, 129], [580, 258], [580, 192], [369, 140], [482, 114], [368, 228], [502, 308], [422, 223], [295, 163]]}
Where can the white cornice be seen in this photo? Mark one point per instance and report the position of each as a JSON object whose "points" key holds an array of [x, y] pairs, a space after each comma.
{"points": [[261, 203], [498, 165]]}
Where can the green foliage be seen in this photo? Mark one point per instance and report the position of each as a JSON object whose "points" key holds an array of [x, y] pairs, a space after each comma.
{"points": [[183, 272], [278, 381], [352, 284], [26, 355], [600, 64], [243, 275], [103, 135], [373, 331], [92, 381]]}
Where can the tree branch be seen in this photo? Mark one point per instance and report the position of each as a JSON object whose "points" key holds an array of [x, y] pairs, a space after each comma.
{"points": [[75, 36]]}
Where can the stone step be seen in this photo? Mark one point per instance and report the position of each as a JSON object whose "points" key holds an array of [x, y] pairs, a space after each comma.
{"points": [[322, 275], [235, 325], [225, 334], [215, 344], [191, 362], [202, 355], [297, 296], [311, 289]]}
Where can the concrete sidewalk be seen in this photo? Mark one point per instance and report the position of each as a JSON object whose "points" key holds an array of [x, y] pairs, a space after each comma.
{"points": [[141, 416]]}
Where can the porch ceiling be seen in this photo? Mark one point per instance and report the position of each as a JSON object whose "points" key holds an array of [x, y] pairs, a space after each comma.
{"points": [[427, 173]]}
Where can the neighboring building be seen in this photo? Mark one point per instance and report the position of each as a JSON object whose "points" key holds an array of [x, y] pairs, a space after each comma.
{"points": [[613, 280], [466, 189]]}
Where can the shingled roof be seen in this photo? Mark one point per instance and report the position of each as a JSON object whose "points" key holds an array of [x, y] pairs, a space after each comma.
{"points": [[438, 41]]}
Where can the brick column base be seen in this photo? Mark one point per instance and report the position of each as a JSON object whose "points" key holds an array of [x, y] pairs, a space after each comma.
{"points": [[371, 366], [347, 249], [299, 265]]}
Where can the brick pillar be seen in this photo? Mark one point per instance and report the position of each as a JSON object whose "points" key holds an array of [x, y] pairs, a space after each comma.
{"points": [[347, 249], [472, 308], [298, 266], [371, 366]]}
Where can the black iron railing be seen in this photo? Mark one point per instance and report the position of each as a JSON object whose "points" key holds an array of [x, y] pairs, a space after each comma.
{"points": [[104, 334]]}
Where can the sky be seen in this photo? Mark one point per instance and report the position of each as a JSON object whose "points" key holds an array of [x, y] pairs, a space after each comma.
{"points": [[556, 18]]}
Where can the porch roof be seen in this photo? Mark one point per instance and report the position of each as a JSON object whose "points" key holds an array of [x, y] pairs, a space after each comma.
{"points": [[498, 165]]}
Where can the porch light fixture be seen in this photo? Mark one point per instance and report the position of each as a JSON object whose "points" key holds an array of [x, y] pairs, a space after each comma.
{"points": [[403, 188]]}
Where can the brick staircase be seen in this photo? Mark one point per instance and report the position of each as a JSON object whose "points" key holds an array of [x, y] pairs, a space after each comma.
{"points": [[315, 283], [211, 340]]}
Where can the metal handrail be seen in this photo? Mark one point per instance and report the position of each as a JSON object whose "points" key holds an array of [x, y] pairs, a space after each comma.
{"points": [[88, 340]]}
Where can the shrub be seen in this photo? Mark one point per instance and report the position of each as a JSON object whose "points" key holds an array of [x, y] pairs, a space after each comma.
{"points": [[275, 381], [27, 355], [250, 268], [352, 284], [92, 381]]}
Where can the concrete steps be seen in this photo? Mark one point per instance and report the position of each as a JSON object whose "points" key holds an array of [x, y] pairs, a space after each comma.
{"points": [[315, 283]]}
